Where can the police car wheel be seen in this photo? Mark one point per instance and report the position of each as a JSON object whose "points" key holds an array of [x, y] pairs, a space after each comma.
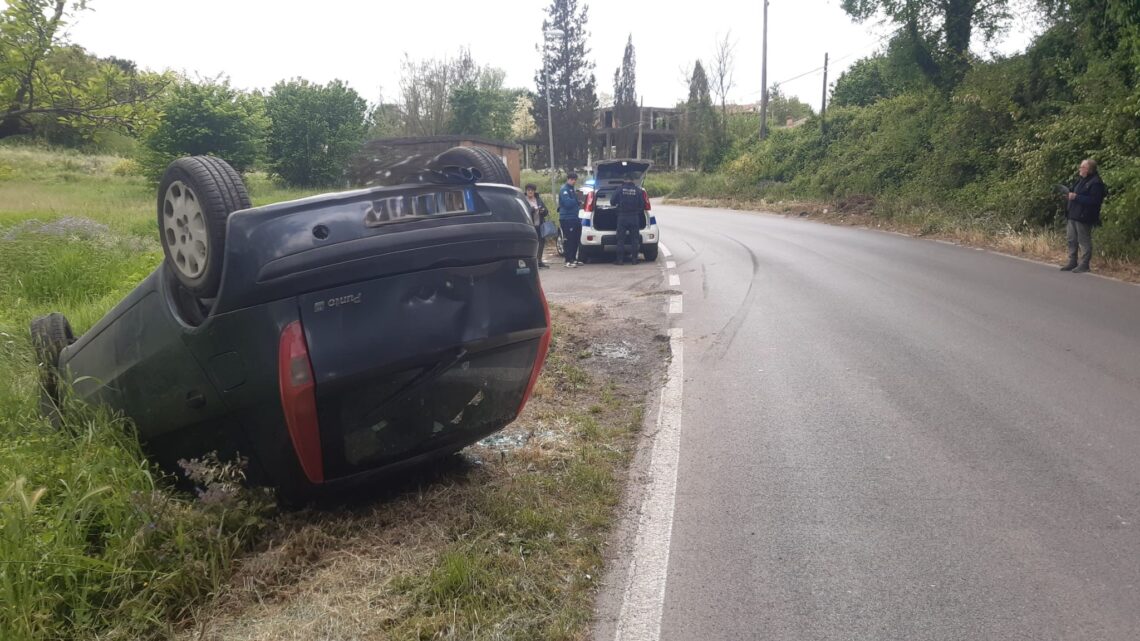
{"points": [[650, 252]]}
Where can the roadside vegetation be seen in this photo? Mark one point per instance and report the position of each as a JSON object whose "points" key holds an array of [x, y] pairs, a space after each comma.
{"points": [[94, 543], [933, 140]]}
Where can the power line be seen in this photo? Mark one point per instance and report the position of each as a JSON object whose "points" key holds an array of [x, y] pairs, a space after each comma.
{"points": [[840, 58]]}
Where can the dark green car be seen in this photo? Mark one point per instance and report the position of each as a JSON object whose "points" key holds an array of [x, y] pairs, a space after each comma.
{"points": [[328, 339]]}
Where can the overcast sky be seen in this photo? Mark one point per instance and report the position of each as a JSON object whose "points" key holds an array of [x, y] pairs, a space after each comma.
{"points": [[258, 42]]}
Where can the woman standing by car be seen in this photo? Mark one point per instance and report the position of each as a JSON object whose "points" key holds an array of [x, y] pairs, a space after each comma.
{"points": [[538, 215]]}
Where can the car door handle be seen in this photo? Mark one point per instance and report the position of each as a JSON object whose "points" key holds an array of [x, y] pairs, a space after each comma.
{"points": [[195, 400]]}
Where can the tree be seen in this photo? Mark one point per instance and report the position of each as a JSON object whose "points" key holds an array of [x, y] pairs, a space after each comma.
{"points": [[38, 86], [425, 91], [722, 82], [211, 118], [313, 129], [781, 107], [724, 64], [385, 120], [862, 84], [699, 128], [569, 75], [625, 102], [938, 33], [480, 105], [523, 126]]}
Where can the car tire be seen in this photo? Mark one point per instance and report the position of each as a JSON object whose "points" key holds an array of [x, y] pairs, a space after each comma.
{"points": [[50, 335], [489, 165], [195, 198], [650, 252]]}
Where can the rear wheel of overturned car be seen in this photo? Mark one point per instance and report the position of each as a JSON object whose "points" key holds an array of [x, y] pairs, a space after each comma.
{"points": [[50, 335], [491, 167], [195, 197]]}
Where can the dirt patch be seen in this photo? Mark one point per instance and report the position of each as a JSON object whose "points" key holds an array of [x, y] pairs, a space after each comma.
{"points": [[504, 540]]}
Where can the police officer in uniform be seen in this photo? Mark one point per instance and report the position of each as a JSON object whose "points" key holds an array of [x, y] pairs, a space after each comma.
{"points": [[568, 219], [630, 201]]}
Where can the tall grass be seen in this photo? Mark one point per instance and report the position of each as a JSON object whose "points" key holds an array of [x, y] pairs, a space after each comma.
{"points": [[94, 543]]}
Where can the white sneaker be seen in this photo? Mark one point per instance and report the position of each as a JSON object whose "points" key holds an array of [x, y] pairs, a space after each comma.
{"points": [[571, 265]]}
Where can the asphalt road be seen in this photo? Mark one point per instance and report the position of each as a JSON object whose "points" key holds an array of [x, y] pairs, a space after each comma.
{"points": [[891, 438]]}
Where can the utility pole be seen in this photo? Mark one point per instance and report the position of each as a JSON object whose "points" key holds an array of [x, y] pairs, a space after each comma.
{"points": [[550, 130], [764, 79], [823, 102], [640, 109]]}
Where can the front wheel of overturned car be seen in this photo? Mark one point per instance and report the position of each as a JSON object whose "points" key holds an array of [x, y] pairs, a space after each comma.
{"points": [[491, 168], [195, 198], [50, 335]]}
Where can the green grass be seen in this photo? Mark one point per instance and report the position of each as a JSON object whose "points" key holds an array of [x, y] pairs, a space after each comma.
{"points": [[526, 562], [92, 542]]}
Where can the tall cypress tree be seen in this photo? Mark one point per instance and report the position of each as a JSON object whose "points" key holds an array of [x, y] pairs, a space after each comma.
{"points": [[573, 88], [625, 102], [699, 129]]}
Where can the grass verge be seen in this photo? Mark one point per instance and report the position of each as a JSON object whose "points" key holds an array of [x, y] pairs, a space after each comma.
{"points": [[93, 542]]}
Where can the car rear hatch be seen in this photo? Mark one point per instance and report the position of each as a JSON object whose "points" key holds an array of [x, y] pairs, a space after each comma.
{"points": [[422, 326], [608, 177], [409, 364]]}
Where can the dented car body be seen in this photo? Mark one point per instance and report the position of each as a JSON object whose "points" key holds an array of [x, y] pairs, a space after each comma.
{"points": [[351, 334]]}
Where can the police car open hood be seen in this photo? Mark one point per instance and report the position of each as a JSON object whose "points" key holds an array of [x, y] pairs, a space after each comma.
{"points": [[611, 173]]}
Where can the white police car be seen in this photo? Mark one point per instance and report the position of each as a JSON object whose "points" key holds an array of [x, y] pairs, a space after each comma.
{"points": [[599, 218]]}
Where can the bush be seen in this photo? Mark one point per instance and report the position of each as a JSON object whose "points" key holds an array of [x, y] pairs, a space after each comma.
{"points": [[313, 129], [127, 167], [209, 118]]}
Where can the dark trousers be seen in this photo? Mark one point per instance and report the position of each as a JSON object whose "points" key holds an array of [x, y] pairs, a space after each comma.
{"points": [[628, 237], [1079, 235], [571, 236]]}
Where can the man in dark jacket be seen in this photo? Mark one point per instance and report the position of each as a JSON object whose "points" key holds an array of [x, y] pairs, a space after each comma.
{"points": [[1085, 198], [630, 201], [569, 221]]}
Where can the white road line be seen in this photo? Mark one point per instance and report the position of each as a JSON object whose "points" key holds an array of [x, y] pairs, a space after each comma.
{"points": [[674, 280], [644, 598], [675, 304], [670, 265], [665, 250]]}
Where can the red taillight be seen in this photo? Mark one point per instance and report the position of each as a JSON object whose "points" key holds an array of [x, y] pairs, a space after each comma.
{"points": [[299, 400], [590, 197], [645, 197], [540, 358]]}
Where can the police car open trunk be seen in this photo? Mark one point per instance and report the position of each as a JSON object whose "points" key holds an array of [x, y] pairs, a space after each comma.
{"points": [[608, 178]]}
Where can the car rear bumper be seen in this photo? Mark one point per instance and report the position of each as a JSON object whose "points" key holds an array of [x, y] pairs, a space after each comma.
{"points": [[608, 239]]}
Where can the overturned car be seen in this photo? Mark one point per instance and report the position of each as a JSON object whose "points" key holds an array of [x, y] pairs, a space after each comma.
{"points": [[329, 339]]}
